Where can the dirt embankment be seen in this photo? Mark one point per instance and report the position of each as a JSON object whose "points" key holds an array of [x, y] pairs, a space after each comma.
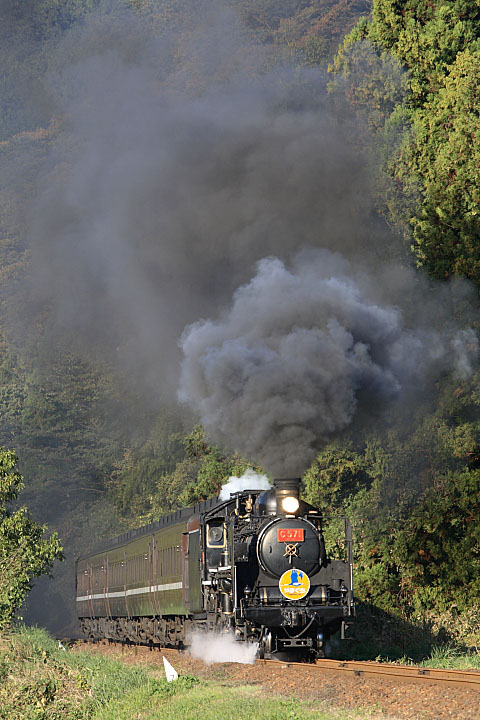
{"points": [[380, 698]]}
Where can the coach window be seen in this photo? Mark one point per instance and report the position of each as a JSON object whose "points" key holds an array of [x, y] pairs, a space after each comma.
{"points": [[216, 534]]}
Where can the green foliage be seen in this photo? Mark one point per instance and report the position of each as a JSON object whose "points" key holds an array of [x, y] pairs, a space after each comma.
{"points": [[209, 468], [439, 547], [134, 480], [24, 553], [370, 78], [69, 419], [337, 471], [153, 480], [425, 37], [412, 490], [424, 116], [445, 153]]}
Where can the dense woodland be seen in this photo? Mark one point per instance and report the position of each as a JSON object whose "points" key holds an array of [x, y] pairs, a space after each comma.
{"points": [[99, 458]]}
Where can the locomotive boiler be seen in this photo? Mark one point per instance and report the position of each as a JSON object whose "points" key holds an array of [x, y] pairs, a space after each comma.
{"points": [[254, 564]]}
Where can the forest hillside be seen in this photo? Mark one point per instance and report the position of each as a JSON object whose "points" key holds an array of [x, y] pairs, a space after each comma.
{"points": [[319, 123]]}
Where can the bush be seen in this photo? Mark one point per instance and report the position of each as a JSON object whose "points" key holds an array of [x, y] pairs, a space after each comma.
{"points": [[24, 553]]}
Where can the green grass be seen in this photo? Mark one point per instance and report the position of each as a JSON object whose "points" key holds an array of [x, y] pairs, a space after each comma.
{"points": [[443, 657], [183, 699], [452, 658], [41, 681]]}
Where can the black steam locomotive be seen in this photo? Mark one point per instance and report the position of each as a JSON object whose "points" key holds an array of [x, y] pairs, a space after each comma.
{"points": [[254, 564]]}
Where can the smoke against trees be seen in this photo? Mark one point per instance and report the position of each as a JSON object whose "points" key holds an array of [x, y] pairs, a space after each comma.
{"points": [[163, 154], [162, 196], [168, 154], [184, 168], [302, 350]]}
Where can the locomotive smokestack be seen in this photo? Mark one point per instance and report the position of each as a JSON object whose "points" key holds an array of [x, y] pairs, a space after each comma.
{"points": [[287, 493]]}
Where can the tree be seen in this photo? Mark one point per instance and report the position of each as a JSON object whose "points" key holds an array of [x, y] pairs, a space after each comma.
{"points": [[413, 72], [410, 483], [338, 470], [425, 37], [445, 154], [185, 469], [25, 553]]}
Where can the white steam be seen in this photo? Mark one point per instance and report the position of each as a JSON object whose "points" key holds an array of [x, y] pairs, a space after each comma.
{"points": [[250, 480], [213, 648]]}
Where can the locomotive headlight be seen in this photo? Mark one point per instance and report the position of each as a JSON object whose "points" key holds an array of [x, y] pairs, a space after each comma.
{"points": [[290, 504]]}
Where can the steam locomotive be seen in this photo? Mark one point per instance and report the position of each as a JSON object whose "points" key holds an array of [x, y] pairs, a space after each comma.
{"points": [[255, 565]]}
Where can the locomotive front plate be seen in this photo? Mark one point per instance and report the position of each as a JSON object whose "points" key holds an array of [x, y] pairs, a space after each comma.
{"points": [[291, 534]]}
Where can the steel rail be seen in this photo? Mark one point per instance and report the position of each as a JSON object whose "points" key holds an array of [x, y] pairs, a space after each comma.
{"points": [[468, 679]]}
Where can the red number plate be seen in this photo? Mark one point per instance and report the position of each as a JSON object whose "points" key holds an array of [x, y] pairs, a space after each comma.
{"points": [[291, 535]]}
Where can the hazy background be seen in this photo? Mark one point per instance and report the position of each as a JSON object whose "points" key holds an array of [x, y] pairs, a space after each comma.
{"points": [[187, 214]]}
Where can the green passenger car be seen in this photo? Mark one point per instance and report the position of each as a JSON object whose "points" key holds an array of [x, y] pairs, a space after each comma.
{"points": [[145, 583]]}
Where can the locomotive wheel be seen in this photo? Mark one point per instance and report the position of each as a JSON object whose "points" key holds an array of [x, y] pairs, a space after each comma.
{"points": [[265, 644], [268, 643]]}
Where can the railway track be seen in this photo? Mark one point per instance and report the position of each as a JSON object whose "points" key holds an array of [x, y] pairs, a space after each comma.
{"points": [[466, 679]]}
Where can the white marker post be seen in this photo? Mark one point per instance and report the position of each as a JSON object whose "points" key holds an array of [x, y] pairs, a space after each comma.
{"points": [[170, 671]]}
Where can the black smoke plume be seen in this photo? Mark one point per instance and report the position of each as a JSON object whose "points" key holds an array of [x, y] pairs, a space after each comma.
{"points": [[161, 195], [304, 348], [179, 153], [187, 157]]}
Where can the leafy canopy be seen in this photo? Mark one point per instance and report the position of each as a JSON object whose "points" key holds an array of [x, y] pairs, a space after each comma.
{"points": [[413, 70], [174, 470], [25, 553], [412, 489]]}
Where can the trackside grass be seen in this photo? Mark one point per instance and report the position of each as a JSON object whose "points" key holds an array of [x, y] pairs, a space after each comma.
{"points": [[452, 658], [189, 699], [40, 680]]}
